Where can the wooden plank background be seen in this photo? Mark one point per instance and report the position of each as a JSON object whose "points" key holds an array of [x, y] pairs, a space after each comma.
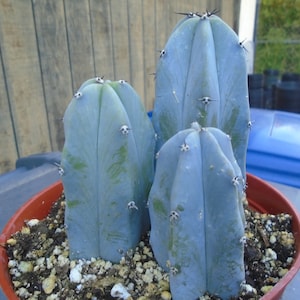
{"points": [[48, 48]]}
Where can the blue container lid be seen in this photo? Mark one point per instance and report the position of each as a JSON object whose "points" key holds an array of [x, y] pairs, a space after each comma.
{"points": [[274, 146]]}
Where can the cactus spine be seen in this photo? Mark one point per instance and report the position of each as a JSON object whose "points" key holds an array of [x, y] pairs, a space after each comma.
{"points": [[201, 76], [108, 169], [196, 197]]}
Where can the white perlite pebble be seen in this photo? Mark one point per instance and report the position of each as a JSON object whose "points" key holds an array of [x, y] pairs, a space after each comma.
{"points": [[165, 295], [56, 250], [75, 275], [148, 276], [120, 292], [108, 265], [269, 255], [273, 239], [62, 260], [32, 222], [52, 297], [25, 266], [247, 288], [22, 292], [12, 263], [89, 277]]}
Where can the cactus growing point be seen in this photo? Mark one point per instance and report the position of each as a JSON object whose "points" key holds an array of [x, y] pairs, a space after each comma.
{"points": [[108, 169]]}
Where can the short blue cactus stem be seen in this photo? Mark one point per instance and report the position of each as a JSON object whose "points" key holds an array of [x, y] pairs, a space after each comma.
{"points": [[196, 212], [202, 77], [108, 169]]}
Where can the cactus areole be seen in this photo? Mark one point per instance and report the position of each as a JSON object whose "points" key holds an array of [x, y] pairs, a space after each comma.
{"points": [[107, 164], [197, 217], [201, 76]]}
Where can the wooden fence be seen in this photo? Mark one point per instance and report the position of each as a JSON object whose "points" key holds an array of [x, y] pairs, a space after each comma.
{"points": [[49, 47]]}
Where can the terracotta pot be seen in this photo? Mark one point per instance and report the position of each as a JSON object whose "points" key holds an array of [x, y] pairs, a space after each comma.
{"points": [[266, 199], [261, 196], [37, 207]]}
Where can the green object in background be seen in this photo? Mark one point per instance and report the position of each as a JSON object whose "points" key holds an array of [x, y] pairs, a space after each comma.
{"points": [[278, 36]]}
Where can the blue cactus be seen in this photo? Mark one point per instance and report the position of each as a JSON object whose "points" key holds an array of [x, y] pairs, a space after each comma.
{"points": [[196, 212], [196, 200], [107, 164], [201, 76]]}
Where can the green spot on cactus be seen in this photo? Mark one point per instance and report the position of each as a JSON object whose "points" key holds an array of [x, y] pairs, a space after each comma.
{"points": [[159, 207], [73, 203], [112, 236], [168, 128], [117, 168], [75, 161], [179, 208]]}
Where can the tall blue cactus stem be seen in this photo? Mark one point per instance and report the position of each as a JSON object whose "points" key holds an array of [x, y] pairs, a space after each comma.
{"points": [[197, 218], [201, 76], [108, 169]]}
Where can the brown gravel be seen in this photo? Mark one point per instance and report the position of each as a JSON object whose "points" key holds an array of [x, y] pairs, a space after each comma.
{"points": [[40, 267]]}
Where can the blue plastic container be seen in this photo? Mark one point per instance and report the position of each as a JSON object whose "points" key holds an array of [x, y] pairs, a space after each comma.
{"points": [[274, 146]]}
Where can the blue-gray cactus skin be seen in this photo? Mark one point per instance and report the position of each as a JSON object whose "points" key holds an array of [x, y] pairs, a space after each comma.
{"points": [[108, 168], [201, 76], [197, 219]]}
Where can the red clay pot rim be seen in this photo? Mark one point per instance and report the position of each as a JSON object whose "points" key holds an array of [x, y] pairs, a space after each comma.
{"points": [[39, 206]]}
